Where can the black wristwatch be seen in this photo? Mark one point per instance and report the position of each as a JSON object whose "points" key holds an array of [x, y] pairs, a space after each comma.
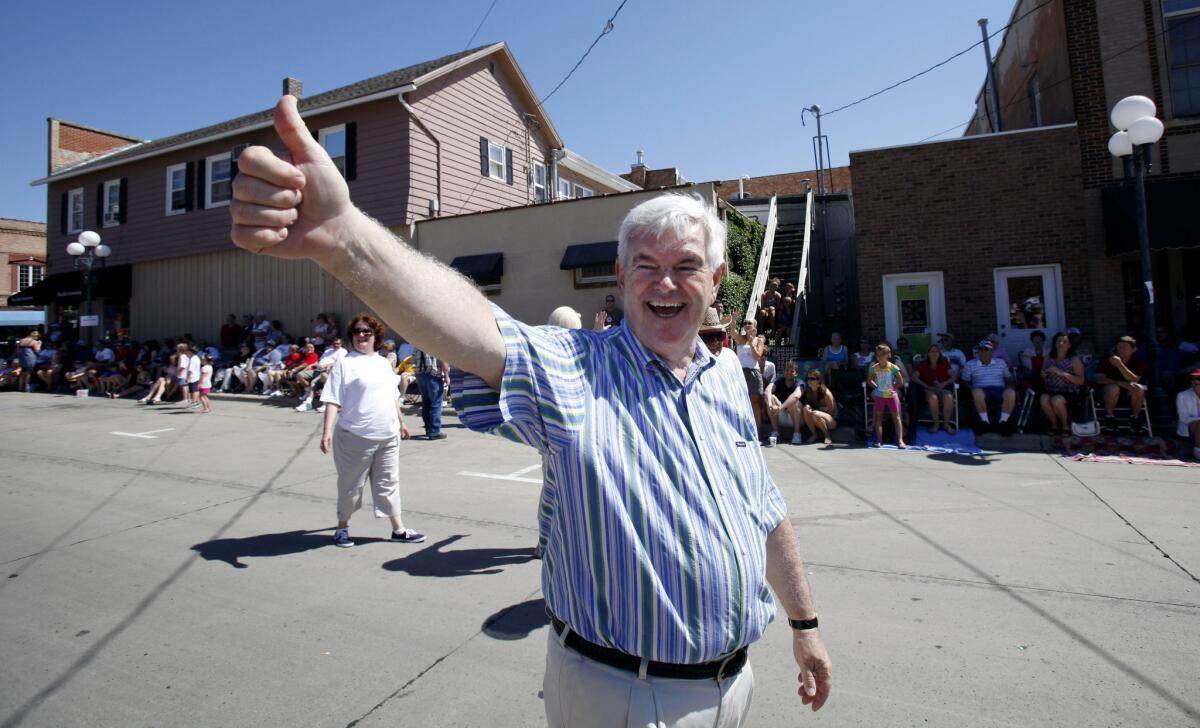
{"points": [[800, 625]]}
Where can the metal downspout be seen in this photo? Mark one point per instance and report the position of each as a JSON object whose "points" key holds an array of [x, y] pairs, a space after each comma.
{"points": [[437, 146]]}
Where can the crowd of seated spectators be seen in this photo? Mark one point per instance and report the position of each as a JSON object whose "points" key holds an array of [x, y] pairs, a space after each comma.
{"points": [[255, 356], [1048, 387]]}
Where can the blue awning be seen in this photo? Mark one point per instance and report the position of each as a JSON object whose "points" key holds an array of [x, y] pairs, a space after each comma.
{"points": [[578, 256], [487, 265], [22, 318]]}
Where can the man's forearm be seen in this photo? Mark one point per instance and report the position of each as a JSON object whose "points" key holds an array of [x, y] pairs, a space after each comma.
{"points": [[428, 303], [785, 573]]}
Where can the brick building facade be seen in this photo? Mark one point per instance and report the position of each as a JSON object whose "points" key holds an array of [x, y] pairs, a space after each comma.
{"points": [[966, 208], [1045, 197], [22, 264]]}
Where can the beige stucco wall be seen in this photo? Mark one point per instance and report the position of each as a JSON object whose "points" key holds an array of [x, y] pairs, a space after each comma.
{"points": [[193, 294], [533, 240]]}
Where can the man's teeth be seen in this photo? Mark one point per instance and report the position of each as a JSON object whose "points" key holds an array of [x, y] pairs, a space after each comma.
{"points": [[667, 305]]}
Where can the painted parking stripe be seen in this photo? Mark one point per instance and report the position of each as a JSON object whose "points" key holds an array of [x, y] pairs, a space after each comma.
{"points": [[147, 435]]}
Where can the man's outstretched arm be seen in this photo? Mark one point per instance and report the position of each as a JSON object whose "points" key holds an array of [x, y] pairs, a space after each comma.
{"points": [[299, 207]]}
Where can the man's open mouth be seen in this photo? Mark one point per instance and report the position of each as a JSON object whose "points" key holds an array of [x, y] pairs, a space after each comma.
{"points": [[665, 310]]}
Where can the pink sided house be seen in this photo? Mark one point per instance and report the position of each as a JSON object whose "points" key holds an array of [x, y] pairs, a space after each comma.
{"points": [[458, 134]]}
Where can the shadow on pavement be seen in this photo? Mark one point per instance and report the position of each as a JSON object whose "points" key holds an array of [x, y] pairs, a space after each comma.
{"points": [[518, 621], [230, 550], [960, 458], [434, 561]]}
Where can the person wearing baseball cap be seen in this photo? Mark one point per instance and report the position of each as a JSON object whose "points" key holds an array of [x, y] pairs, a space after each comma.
{"points": [[990, 380], [1187, 405], [954, 355]]}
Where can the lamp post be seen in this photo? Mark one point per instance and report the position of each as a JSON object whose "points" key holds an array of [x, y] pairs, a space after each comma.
{"points": [[1137, 131], [87, 250]]}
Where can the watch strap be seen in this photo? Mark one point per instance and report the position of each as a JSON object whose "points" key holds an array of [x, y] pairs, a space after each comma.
{"points": [[803, 624]]}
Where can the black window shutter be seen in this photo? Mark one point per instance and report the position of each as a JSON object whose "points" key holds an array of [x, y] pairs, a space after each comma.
{"points": [[189, 186], [508, 165], [62, 219], [123, 200], [351, 150], [483, 156], [100, 205], [200, 184], [233, 165]]}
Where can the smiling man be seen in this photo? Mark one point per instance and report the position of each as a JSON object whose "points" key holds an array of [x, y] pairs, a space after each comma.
{"points": [[666, 525]]}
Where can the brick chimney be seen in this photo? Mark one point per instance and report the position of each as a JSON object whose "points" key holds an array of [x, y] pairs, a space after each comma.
{"points": [[294, 87], [637, 172]]}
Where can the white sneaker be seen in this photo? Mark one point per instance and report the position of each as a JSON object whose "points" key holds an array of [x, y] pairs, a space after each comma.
{"points": [[797, 440], [276, 393], [321, 408], [305, 406]]}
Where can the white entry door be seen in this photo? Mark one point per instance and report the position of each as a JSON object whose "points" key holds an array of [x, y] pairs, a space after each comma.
{"points": [[1028, 299], [914, 306]]}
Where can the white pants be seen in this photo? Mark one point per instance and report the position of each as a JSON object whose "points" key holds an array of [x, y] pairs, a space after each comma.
{"points": [[358, 459], [582, 693]]}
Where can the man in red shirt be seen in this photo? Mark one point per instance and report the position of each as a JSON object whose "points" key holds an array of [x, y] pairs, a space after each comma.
{"points": [[1121, 372], [230, 333], [296, 365]]}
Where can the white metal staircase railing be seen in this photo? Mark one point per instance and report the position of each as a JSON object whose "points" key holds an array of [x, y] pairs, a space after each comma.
{"points": [[764, 261], [802, 276]]}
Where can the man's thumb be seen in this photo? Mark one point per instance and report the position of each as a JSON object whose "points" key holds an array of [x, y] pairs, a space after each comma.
{"points": [[291, 129]]}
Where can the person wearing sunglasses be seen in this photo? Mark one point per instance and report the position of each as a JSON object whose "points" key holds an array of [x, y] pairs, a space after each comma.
{"points": [[625, 417], [820, 409], [363, 428]]}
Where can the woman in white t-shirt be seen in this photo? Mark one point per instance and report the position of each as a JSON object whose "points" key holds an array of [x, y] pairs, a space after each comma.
{"points": [[362, 396]]}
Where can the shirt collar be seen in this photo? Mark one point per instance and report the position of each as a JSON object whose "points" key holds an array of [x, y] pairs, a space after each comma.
{"points": [[646, 359]]}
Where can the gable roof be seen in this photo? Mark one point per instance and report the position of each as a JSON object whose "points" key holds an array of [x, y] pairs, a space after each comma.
{"points": [[370, 89]]}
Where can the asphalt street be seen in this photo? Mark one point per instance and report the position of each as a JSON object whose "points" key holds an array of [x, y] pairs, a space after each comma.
{"points": [[167, 568]]}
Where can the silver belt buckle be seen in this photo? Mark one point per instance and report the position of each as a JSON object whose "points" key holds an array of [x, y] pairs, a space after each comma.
{"points": [[724, 664]]}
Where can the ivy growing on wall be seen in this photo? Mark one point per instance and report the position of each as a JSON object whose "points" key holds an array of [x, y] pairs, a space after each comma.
{"points": [[744, 243]]}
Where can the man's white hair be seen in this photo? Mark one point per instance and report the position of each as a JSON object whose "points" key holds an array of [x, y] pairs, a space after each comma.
{"points": [[681, 214]]}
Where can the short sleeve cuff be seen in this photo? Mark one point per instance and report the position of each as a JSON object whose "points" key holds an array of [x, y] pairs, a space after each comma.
{"points": [[513, 411], [774, 508]]}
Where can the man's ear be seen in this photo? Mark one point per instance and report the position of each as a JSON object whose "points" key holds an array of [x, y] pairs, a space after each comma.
{"points": [[620, 280], [718, 276]]}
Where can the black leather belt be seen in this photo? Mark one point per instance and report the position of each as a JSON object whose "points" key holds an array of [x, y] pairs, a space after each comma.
{"points": [[716, 670]]}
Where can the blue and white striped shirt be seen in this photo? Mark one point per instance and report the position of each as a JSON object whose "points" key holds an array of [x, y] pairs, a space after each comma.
{"points": [[660, 503]]}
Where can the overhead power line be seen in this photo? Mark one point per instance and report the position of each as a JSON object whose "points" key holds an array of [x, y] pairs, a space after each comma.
{"points": [[608, 27], [939, 64], [1056, 83]]}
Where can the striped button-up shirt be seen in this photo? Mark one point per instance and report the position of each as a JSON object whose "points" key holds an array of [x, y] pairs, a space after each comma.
{"points": [[660, 503]]}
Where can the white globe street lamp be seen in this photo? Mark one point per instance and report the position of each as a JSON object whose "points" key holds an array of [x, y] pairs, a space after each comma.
{"points": [[1137, 131], [87, 250]]}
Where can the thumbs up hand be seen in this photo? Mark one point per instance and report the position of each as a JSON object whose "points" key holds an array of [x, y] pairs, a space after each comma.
{"points": [[291, 207]]}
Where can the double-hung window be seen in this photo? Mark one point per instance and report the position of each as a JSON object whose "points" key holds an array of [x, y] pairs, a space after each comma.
{"points": [[539, 182], [28, 275], [334, 140], [218, 172], [75, 210], [581, 191], [496, 160], [177, 189], [1182, 18], [564, 189], [112, 202]]}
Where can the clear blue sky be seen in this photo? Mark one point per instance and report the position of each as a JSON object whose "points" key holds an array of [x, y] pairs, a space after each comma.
{"points": [[712, 87]]}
